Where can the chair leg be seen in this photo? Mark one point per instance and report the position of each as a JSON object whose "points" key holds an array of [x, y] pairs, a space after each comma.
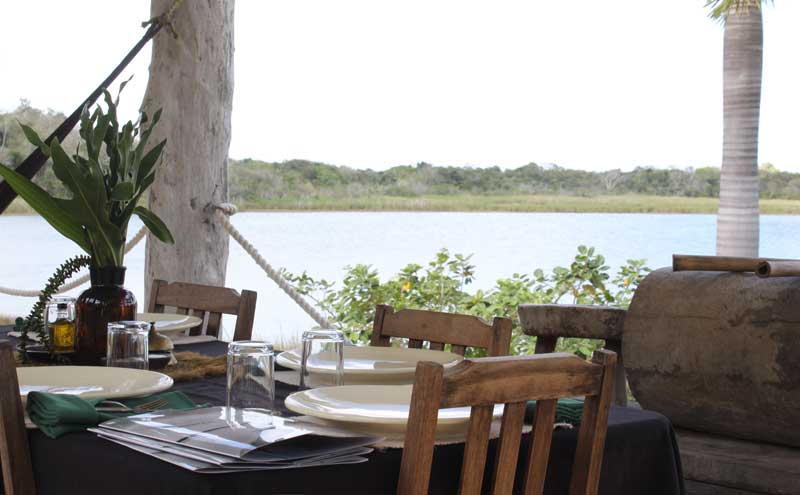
{"points": [[15, 455]]}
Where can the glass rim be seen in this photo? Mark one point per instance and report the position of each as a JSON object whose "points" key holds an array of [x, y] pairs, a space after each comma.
{"points": [[60, 300], [323, 333], [128, 325], [249, 346]]}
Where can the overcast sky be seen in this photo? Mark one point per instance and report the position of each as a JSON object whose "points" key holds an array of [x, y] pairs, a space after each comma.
{"points": [[371, 83]]}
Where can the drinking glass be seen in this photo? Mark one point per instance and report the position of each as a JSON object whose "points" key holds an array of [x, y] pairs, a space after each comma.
{"points": [[127, 344], [59, 320], [322, 362], [251, 384]]}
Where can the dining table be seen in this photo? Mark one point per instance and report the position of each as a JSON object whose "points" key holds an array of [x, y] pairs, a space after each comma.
{"points": [[641, 457]]}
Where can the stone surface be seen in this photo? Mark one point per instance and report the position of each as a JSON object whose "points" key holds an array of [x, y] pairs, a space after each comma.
{"points": [[732, 466], [718, 352], [191, 78], [590, 322]]}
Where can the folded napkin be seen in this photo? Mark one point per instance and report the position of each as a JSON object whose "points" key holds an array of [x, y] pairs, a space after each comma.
{"points": [[59, 414], [567, 411]]}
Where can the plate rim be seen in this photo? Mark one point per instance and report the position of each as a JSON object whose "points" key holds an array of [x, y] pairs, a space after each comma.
{"points": [[164, 382], [179, 326], [293, 404], [282, 360]]}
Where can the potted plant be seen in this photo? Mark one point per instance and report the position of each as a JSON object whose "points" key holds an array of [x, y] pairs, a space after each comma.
{"points": [[106, 177]]}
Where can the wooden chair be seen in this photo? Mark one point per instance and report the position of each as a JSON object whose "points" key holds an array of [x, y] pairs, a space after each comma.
{"points": [[208, 303], [460, 331], [15, 456], [481, 383]]}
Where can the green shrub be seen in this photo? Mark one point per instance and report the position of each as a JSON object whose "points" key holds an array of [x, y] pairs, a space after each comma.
{"points": [[441, 285]]}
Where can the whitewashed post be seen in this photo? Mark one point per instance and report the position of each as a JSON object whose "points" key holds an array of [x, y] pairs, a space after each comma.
{"points": [[191, 78]]}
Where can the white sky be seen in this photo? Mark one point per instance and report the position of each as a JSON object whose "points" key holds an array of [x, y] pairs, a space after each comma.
{"points": [[368, 83]]}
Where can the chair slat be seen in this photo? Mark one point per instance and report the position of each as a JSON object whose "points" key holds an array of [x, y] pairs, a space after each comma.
{"points": [[545, 344], [539, 451], [199, 313], [207, 297], [592, 433], [214, 324], [153, 306], [505, 465], [441, 329], [246, 316], [458, 349], [477, 444], [415, 466], [378, 338], [500, 380], [511, 380], [208, 303]]}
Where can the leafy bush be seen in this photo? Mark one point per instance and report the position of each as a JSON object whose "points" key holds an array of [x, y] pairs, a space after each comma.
{"points": [[441, 286]]}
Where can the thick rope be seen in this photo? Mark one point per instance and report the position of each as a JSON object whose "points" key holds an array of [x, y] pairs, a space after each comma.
{"points": [[222, 212], [78, 281]]}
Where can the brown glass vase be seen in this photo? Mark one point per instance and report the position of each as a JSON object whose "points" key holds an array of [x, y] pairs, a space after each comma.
{"points": [[104, 302]]}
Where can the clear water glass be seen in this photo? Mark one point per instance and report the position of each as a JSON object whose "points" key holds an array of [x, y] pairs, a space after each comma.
{"points": [[251, 384], [127, 344], [322, 362]]}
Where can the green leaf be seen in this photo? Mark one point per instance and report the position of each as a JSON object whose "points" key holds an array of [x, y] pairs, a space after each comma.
{"points": [[154, 224], [46, 206], [99, 134], [34, 138], [122, 192], [149, 161], [88, 205]]}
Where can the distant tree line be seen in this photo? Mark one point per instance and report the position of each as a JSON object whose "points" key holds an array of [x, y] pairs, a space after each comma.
{"points": [[254, 181]]}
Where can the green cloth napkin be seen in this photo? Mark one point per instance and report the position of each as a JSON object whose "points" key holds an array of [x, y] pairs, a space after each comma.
{"points": [[59, 414], [567, 411]]}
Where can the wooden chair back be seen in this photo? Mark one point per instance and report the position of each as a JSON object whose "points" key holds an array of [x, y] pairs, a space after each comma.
{"points": [[208, 303], [482, 383], [15, 456], [458, 330]]}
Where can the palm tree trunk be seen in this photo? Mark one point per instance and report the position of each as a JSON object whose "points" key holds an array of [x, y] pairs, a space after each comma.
{"points": [[737, 221]]}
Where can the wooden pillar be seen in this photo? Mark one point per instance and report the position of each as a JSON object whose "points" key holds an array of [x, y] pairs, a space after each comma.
{"points": [[191, 78]]}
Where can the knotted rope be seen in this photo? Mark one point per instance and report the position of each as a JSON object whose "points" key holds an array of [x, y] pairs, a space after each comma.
{"points": [[78, 281], [226, 209]]}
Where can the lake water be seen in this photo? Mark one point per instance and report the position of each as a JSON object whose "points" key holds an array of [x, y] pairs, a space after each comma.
{"points": [[323, 243]]}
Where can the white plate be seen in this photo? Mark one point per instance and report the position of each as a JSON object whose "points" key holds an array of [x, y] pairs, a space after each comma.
{"points": [[375, 409], [166, 322], [91, 382], [372, 364]]}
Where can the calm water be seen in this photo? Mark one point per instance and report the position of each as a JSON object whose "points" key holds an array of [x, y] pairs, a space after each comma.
{"points": [[324, 243]]}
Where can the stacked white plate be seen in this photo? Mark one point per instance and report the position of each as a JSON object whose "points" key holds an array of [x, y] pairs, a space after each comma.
{"points": [[374, 409], [91, 382], [377, 392], [374, 365]]}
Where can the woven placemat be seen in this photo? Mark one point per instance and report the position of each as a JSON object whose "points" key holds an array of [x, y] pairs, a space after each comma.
{"points": [[195, 366]]}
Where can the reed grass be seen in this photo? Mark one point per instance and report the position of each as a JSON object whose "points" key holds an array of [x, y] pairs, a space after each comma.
{"points": [[508, 203]]}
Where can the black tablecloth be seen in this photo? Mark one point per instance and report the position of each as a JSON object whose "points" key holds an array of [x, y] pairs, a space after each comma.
{"points": [[641, 457]]}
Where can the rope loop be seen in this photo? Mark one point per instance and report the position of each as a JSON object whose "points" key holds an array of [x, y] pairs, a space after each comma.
{"points": [[226, 208], [165, 19]]}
